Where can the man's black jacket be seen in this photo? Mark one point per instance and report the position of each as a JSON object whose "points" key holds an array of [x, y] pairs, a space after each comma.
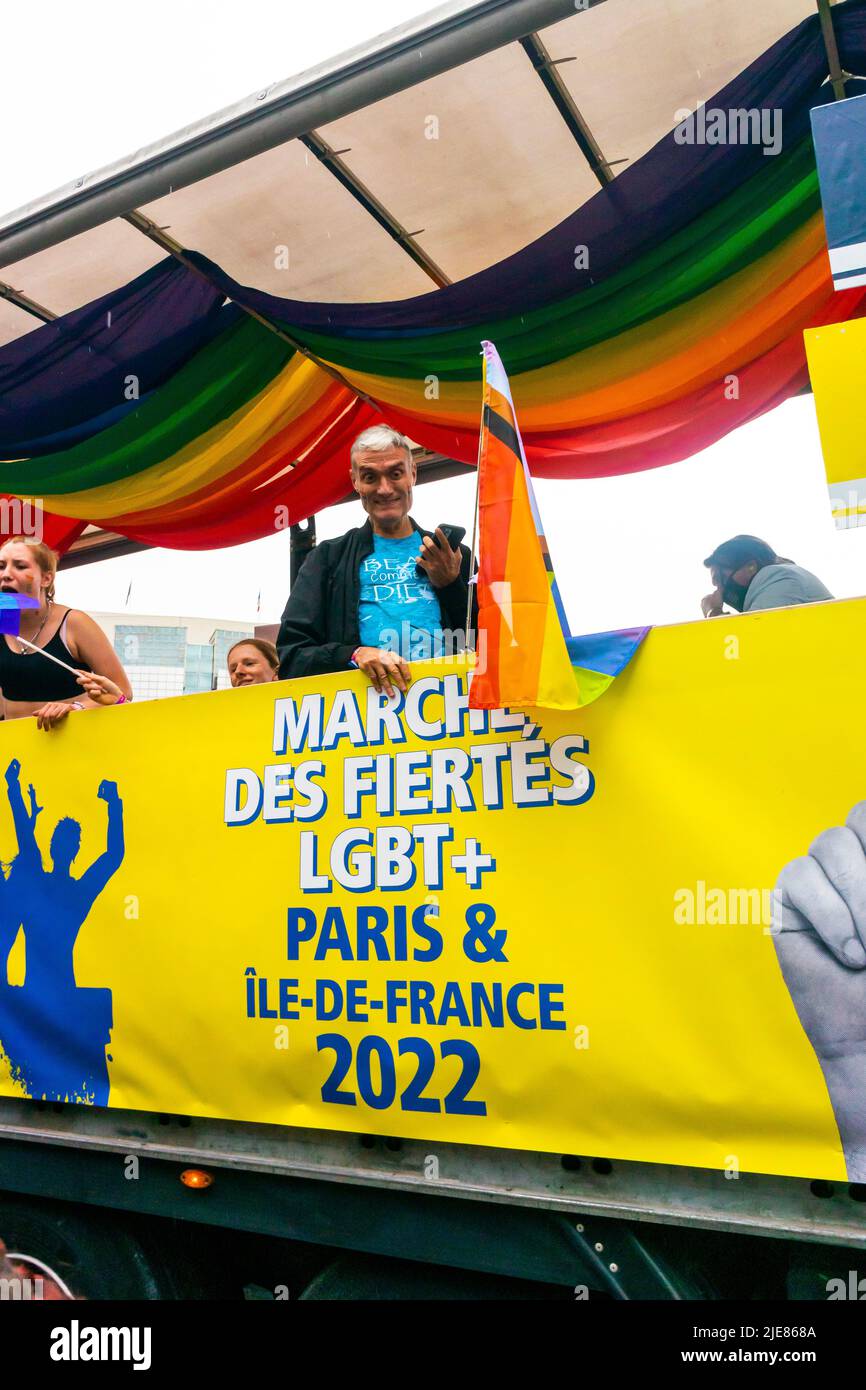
{"points": [[319, 630]]}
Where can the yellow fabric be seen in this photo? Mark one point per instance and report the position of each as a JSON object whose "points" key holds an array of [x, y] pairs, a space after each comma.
{"points": [[674, 354], [281, 406]]}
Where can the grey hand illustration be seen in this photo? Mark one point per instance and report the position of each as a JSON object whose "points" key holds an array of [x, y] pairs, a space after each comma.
{"points": [[819, 930]]}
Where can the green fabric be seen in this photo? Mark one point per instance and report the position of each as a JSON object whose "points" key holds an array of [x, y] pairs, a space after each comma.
{"points": [[219, 380], [590, 684], [239, 364], [731, 236]]}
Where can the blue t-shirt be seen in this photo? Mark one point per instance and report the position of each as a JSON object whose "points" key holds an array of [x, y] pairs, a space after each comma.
{"points": [[397, 610]]}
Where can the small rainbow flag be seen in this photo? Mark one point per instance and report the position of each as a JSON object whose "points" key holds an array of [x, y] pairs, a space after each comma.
{"points": [[598, 658], [11, 608], [526, 655]]}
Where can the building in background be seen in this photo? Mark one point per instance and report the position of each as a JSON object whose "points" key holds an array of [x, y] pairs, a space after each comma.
{"points": [[172, 656]]}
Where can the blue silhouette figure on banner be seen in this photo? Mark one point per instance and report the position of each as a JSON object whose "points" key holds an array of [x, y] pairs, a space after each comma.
{"points": [[10, 919], [54, 1032]]}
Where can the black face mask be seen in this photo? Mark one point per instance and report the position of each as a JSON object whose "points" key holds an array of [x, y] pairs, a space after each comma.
{"points": [[734, 594]]}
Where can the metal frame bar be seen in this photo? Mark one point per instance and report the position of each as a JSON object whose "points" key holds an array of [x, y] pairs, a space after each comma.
{"points": [[302, 543], [509, 1241], [828, 34], [755, 1204], [372, 206], [435, 43], [96, 545], [144, 224], [23, 301], [545, 67]]}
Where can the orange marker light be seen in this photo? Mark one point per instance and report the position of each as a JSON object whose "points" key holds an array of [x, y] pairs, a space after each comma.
{"points": [[196, 1177]]}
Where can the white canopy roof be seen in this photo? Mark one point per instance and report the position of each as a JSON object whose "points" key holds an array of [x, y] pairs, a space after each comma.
{"points": [[426, 155]]}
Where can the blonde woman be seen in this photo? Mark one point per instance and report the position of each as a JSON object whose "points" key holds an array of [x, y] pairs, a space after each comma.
{"points": [[32, 684]]}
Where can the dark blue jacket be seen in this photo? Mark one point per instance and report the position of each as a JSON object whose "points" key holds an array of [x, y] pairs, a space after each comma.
{"points": [[319, 628]]}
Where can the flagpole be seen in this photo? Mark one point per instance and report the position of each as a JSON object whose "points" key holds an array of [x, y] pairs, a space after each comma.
{"points": [[477, 498], [47, 655]]}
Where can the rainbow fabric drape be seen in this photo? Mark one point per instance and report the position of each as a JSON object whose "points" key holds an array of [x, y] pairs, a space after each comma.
{"points": [[665, 312]]}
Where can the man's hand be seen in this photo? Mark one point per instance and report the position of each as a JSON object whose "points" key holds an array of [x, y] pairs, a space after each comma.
{"points": [[385, 669], [108, 791], [441, 563], [819, 930], [13, 772], [712, 605], [49, 716]]}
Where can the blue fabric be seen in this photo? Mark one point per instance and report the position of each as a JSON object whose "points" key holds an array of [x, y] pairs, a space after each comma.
{"points": [[11, 608], [38, 445], [839, 133], [605, 652], [397, 610], [67, 380]]}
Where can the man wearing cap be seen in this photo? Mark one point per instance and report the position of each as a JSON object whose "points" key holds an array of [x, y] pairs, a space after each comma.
{"points": [[748, 575]]}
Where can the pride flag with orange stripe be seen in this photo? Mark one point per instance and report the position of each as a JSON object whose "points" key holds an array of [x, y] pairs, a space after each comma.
{"points": [[522, 656], [526, 656]]}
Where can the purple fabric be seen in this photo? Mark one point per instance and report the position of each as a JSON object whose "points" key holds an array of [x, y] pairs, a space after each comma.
{"points": [[849, 23], [66, 380], [655, 197]]}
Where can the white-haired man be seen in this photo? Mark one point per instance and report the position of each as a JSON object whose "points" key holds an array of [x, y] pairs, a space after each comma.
{"points": [[359, 600]]}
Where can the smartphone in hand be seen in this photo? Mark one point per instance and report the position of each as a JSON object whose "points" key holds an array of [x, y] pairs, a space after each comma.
{"points": [[453, 534]]}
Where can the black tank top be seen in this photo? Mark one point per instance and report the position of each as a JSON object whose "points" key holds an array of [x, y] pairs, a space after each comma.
{"points": [[34, 677]]}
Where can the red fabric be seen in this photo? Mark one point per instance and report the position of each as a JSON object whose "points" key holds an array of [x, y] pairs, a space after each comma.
{"points": [[319, 481], [651, 439], [222, 497], [666, 434], [57, 531]]}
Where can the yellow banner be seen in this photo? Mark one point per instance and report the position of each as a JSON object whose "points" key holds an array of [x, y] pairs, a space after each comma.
{"points": [[306, 905]]}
